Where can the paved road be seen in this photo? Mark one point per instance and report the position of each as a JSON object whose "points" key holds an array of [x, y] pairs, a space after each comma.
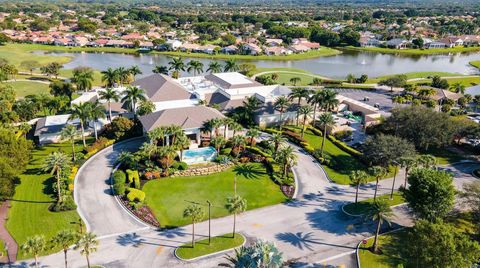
{"points": [[310, 229]]}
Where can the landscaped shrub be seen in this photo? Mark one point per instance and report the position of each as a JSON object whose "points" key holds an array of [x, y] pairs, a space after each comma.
{"points": [[226, 151], [135, 195], [119, 188], [150, 175], [121, 128], [257, 150], [293, 137], [222, 159], [182, 166], [119, 177], [272, 131], [175, 165], [315, 131], [66, 205], [98, 145], [343, 134], [134, 178], [343, 146]]}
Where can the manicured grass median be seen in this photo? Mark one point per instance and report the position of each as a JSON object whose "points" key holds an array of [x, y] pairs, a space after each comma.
{"points": [[29, 214], [202, 248], [168, 197], [362, 207], [390, 244]]}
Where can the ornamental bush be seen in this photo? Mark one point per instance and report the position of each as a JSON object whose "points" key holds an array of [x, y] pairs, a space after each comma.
{"points": [[119, 188], [182, 166], [135, 195], [119, 177]]}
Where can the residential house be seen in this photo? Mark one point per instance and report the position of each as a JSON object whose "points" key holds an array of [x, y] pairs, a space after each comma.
{"points": [[273, 42], [252, 49], [397, 43], [229, 50], [451, 41], [173, 44], [277, 51]]}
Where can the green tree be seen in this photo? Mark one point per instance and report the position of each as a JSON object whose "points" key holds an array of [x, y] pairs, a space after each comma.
{"points": [[378, 173], [87, 244], [134, 71], [177, 65], [218, 142], [35, 245], [281, 104], [214, 67], [385, 150], [317, 100], [358, 177], [95, 112], [132, 95], [379, 212], [235, 205], [325, 120], [65, 239], [70, 133], [146, 107], [181, 142], [51, 69], [394, 81], [59, 88], [305, 111], [195, 66], [253, 133], [277, 139], [408, 163], [57, 163], [287, 158], [299, 94], [83, 78], [160, 70], [231, 65], [195, 213], [110, 95], [110, 77], [431, 194], [295, 80], [330, 101], [81, 112]]}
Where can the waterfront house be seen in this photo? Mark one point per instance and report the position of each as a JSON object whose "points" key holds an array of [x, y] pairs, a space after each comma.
{"points": [[397, 43]]}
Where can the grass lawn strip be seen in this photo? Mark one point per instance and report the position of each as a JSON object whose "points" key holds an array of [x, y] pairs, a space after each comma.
{"points": [[202, 248], [25, 88], [412, 51], [475, 63], [390, 244], [168, 197], [362, 207], [29, 214]]}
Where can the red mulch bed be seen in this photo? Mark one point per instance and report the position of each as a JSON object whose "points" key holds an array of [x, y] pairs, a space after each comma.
{"points": [[144, 213], [288, 190]]}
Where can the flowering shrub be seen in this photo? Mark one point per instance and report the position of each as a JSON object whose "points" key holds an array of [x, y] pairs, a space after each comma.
{"points": [[150, 175]]}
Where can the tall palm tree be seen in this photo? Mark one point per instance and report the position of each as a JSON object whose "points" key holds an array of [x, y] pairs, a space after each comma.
{"points": [[218, 142], [123, 75], [379, 212], [160, 70], [132, 95], [235, 127], [214, 67], [305, 111], [250, 105], [358, 177], [326, 120], [157, 134], [231, 65], [227, 123], [65, 239], [56, 163], [195, 213], [295, 80], [110, 95], [168, 153], [252, 134], [330, 101], [215, 124], [238, 141], [427, 161], [195, 66], [316, 99], [96, 112], [35, 245], [177, 65], [81, 112], [281, 104], [235, 205], [277, 139], [87, 244], [378, 172], [408, 163], [70, 133], [110, 77], [134, 71], [287, 158], [299, 94], [174, 131], [182, 142], [83, 81]]}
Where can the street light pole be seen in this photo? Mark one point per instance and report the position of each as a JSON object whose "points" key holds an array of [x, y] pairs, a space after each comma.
{"points": [[209, 221], [394, 177]]}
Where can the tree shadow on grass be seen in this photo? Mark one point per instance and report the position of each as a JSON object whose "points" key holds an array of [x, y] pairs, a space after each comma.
{"points": [[248, 171], [48, 188], [34, 171]]}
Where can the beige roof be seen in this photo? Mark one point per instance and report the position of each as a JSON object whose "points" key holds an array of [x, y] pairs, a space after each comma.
{"points": [[186, 117], [232, 80], [160, 87], [443, 94]]}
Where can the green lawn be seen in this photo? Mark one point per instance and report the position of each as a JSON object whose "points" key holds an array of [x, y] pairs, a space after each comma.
{"points": [[415, 51], [16, 53], [202, 248], [445, 157], [414, 75], [29, 214], [24, 88], [284, 69], [390, 245], [475, 63], [168, 197], [363, 206]]}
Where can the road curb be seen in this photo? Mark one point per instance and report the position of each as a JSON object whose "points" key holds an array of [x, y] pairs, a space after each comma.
{"points": [[211, 254]]}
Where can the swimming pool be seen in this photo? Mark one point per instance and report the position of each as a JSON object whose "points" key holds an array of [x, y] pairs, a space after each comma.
{"points": [[200, 155]]}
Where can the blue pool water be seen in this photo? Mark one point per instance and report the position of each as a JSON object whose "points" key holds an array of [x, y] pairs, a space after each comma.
{"points": [[199, 155]]}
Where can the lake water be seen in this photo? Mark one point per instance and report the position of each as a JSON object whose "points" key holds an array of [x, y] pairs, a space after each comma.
{"points": [[338, 66]]}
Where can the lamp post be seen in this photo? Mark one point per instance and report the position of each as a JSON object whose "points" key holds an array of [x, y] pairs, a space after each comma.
{"points": [[209, 221]]}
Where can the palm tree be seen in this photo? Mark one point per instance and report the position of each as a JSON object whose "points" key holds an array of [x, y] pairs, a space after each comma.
{"points": [[250, 104], [427, 161], [235, 205], [218, 142], [260, 254], [326, 120], [299, 94], [35, 245], [277, 139], [316, 99], [168, 153], [83, 80], [358, 177], [177, 65], [214, 67], [96, 112], [305, 111], [235, 127], [379, 212], [253, 133], [330, 101], [87, 244], [174, 131], [281, 104], [110, 95], [215, 124], [132, 95], [65, 239], [378, 172], [123, 75], [160, 70], [182, 142], [81, 112], [110, 77], [195, 213], [227, 122], [287, 157], [56, 163], [69, 132], [157, 134], [127, 159], [134, 71], [238, 142], [195, 66], [148, 149], [295, 80], [408, 163], [231, 65]]}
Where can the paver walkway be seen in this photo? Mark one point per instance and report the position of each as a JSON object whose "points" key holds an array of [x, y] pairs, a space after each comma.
{"points": [[5, 236]]}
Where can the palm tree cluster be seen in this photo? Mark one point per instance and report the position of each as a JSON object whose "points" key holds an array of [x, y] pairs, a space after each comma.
{"points": [[177, 65], [120, 76], [87, 112], [87, 243]]}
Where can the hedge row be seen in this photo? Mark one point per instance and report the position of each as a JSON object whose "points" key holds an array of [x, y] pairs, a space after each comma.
{"points": [[257, 150], [272, 131], [343, 146], [135, 195]]}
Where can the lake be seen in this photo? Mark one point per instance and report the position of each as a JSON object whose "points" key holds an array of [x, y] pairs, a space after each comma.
{"points": [[338, 66]]}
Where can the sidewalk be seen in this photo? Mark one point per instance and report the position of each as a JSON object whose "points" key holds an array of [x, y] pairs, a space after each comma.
{"points": [[5, 236]]}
